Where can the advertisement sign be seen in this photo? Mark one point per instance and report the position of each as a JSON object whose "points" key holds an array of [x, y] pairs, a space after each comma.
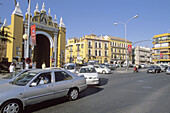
{"points": [[129, 48], [33, 35], [161, 55]]}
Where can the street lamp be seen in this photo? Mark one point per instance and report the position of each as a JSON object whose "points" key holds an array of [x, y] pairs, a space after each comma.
{"points": [[28, 33], [125, 24]]}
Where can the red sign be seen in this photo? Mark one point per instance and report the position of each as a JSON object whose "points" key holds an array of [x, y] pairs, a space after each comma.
{"points": [[53, 60], [129, 48], [28, 60], [161, 55], [33, 35]]}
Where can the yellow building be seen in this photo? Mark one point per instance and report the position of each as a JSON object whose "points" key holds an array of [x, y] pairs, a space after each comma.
{"points": [[161, 49], [50, 38], [105, 49]]}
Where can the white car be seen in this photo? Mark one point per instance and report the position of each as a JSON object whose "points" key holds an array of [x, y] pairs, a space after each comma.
{"points": [[102, 69], [89, 72]]}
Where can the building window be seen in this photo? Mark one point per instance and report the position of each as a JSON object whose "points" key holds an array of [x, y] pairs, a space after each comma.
{"points": [[50, 23], [71, 48], [81, 45], [36, 19], [89, 45], [18, 53], [105, 53], [112, 50], [99, 52], [18, 48], [95, 52], [89, 52], [78, 47], [106, 45], [99, 45], [95, 44]]}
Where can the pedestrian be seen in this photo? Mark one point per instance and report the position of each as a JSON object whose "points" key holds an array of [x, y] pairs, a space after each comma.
{"points": [[34, 65], [11, 68], [43, 65]]}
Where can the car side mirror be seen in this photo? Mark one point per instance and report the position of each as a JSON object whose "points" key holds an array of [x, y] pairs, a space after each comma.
{"points": [[33, 84]]}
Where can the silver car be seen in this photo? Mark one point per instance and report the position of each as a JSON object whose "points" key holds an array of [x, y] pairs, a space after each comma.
{"points": [[39, 85], [12, 76]]}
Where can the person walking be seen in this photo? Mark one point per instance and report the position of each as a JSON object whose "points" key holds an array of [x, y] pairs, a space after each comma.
{"points": [[43, 65], [11, 68], [34, 65]]}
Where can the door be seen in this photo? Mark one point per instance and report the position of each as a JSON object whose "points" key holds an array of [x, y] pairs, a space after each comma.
{"points": [[40, 89], [63, 82]]}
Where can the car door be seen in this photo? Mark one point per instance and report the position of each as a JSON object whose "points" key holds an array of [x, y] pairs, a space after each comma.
{"points": [[38, 90], [63, 82], [97, 69]]}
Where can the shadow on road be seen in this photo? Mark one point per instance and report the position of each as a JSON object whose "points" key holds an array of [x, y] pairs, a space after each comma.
{"points": [[46, 104], [103, 81], [90, 91]]}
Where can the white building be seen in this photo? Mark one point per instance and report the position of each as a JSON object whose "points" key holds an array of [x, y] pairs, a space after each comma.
{"points": [[142, 55]]}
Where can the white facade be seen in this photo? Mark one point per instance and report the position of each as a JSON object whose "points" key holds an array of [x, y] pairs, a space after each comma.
{"points": [[142, 55]]}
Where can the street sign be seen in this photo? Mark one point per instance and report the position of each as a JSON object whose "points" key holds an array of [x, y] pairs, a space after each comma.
{"points": [[33, 35], [53, 60], [28, 60]]}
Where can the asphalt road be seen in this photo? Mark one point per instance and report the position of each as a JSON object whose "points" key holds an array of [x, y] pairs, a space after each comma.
{"points": [[118, 93]]}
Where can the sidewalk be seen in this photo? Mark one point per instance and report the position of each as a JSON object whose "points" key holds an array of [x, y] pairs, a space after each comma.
{"points": [[3, 75], [123, 70]]}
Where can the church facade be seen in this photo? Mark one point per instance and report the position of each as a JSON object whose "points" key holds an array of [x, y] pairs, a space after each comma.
{"points": [[50, 38]]}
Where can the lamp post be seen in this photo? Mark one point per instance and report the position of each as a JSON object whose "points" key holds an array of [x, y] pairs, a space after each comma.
{"points": [[125, 24], [28, 33]]}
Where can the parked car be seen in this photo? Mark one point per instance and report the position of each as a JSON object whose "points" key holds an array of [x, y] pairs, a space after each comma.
{"points": [[168, 70], [163, 68], [70, 67], [102, 69], [112, 66], [11, 76], [89, 72], [154, 69], [144, 65], [40, 85]]}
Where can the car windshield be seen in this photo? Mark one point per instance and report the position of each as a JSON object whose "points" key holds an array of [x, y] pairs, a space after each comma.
{"points": [[87, 70], [12, 75], [103, 66], [23, 78], [70, 67], [152, 67]]}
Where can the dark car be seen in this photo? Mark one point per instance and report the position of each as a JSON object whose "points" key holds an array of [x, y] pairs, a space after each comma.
{"points": [[154, 69]]}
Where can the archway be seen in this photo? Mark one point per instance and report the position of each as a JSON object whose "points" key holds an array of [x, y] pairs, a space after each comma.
{"points": [[42, 51]]}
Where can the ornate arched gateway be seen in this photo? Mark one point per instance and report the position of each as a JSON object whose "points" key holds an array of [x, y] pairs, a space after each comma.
{"points": [[50, 38]]}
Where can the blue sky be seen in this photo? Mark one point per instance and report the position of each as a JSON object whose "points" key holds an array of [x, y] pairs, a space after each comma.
{"points": [[84, 17]]}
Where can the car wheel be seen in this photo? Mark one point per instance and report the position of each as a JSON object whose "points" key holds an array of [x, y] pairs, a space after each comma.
{"points": [[104, 72], [11, 107], [73, 94]]}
